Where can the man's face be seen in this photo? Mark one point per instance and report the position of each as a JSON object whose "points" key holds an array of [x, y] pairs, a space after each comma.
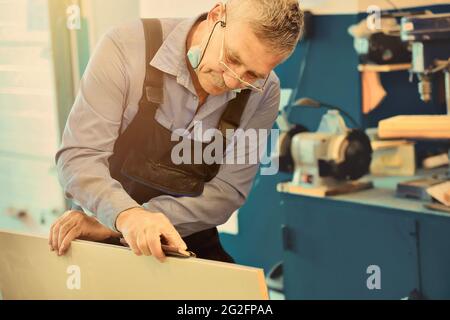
{"points": [[243, 52]]}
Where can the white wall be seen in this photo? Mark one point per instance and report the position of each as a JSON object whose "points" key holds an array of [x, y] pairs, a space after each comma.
{"points": [[174, 8], [103, 14], [189, 8]]}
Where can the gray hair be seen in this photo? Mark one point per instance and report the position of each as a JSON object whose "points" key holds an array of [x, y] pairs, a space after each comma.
{"points": [[279, 23]]}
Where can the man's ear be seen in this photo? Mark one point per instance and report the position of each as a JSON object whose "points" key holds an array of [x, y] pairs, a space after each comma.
{"points": [[216, 14]]}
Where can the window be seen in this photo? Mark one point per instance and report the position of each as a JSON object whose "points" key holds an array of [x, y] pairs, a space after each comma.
{"points": [[29, 134]]}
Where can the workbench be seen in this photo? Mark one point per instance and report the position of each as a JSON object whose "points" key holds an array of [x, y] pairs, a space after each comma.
{"points": [[333, 245]]}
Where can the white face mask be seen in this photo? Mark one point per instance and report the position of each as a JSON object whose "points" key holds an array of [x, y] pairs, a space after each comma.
{"points": [[194, 55]]}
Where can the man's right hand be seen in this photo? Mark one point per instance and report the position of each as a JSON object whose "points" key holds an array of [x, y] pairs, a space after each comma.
{"points": [[146, 231]]}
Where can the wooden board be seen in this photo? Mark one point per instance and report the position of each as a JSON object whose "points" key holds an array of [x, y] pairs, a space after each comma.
{"points": [[415, 126], [384, 67], [29, 270], [437, 207], [350, 187], [389, 144]]}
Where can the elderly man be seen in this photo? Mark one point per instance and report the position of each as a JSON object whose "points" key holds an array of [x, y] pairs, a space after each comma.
{"points": [[148, 79]]}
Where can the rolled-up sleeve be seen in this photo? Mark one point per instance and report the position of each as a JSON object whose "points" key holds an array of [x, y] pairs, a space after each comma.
{"points": [[90, 134], [229, 190]]}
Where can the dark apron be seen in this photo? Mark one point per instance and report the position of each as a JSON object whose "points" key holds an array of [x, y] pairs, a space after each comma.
{"points": [[142, 162]]}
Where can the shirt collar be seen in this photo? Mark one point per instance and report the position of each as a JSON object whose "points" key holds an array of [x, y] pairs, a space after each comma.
{"points": [[171, 55]]}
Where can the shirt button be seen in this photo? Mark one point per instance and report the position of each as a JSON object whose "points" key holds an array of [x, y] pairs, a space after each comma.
{"points": [[195, 98]]}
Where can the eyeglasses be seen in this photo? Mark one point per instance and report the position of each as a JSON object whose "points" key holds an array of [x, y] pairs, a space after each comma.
{"points": [[251, 83]]}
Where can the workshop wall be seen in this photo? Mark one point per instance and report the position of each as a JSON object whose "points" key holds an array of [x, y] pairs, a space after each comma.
{"points": [[330, 75], [103, 14]]}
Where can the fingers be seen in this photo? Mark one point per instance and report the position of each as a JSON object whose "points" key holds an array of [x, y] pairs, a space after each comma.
{"points": [[154, 243], [143, 231], [50, 237], [131, 240], [174, 239], [147, 244], [124, 242], [64, 230], [141, 242], [54, 233], [71, 235]]}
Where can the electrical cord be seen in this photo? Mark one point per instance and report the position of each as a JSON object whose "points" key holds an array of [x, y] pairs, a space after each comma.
{"points": [[310, 103], [223, 25], [329, 106]]}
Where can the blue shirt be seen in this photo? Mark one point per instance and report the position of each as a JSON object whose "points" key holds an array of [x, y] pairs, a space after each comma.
{"points": [[109, 94]]}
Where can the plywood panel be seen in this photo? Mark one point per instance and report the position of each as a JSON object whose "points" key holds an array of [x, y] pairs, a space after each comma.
{"points": [[28, 270]]}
